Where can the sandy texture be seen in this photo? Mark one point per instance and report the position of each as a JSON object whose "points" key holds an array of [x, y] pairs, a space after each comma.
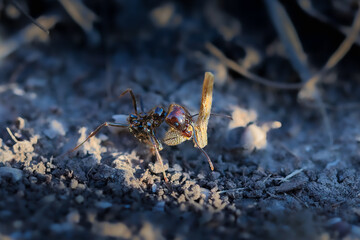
{"points": [[268, 183]]}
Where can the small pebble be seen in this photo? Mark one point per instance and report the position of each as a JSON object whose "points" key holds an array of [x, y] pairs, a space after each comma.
{"points": [[99, 192], [20, 194], [17, 224], [161, 192], [79, 199], [81, 186], [201, 176], [61, 185], [103, 204], [73, 217], [74, 183], [14, 173], [230, 184], [205, 193], [181, 198], [175, 177], [215, 175], [33, 179], [49, 198], [154, 188], [159, 207], [193, 192], [177, 168], [20, 122]]}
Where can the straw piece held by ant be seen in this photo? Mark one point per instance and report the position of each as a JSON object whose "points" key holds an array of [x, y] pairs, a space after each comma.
{"points": [[205, 110]]}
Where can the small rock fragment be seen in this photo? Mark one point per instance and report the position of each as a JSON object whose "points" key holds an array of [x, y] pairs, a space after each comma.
{"points": [[175, 177], [79, 199], [154, 188], [215, 175], [20, 122], [205, 193], [73, 217], [14, 173], [33, 179], [163, 15], [74, 183], [193, 192], [292, 185], [177, 168], [159, 207], [48, 199], [103, 204]]}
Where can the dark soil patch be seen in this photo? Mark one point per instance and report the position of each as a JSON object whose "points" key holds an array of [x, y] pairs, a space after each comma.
{"points": [[53, 93]]}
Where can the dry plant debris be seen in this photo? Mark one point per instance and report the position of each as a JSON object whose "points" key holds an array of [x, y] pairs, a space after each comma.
{"points": [[298, 187], [202, 122]]}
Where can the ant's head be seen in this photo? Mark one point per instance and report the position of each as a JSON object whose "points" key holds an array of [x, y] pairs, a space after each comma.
{"points": [[179, 118]]}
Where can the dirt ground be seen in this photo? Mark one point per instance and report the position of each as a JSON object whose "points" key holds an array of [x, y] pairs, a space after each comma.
{"points": [[300, 181]]}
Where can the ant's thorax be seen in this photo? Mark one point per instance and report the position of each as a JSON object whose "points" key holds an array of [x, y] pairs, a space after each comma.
{"points": [[144, 124]]}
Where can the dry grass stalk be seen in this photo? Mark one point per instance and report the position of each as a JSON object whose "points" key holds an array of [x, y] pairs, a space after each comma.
{"points": [[205, 110], [289, 38], [246, 73]]}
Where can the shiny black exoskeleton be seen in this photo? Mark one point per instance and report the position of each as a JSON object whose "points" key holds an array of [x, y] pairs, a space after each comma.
{"points": [[141, 125]]}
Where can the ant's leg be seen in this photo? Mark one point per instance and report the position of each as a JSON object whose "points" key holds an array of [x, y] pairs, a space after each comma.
{"points": [[202, 150], [158, 157], [157, 141], [129, 90], [105, 124]]}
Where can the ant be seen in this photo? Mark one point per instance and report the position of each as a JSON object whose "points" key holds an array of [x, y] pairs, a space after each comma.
{"points": [[182, 126]]}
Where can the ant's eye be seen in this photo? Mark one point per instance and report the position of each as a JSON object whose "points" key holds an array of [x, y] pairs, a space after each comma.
{"points": [[176, 124]]}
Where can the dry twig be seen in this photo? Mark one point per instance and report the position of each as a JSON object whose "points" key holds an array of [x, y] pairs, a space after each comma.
{"points": [[287, 178], [244, 72], [11, 135], [289, 38]]}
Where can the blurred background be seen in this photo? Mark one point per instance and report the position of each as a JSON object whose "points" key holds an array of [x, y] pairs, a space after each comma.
{"points": [[121, 44]]}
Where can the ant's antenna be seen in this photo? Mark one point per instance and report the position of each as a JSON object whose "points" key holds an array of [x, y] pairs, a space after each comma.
{"points": [[217, 115]]}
